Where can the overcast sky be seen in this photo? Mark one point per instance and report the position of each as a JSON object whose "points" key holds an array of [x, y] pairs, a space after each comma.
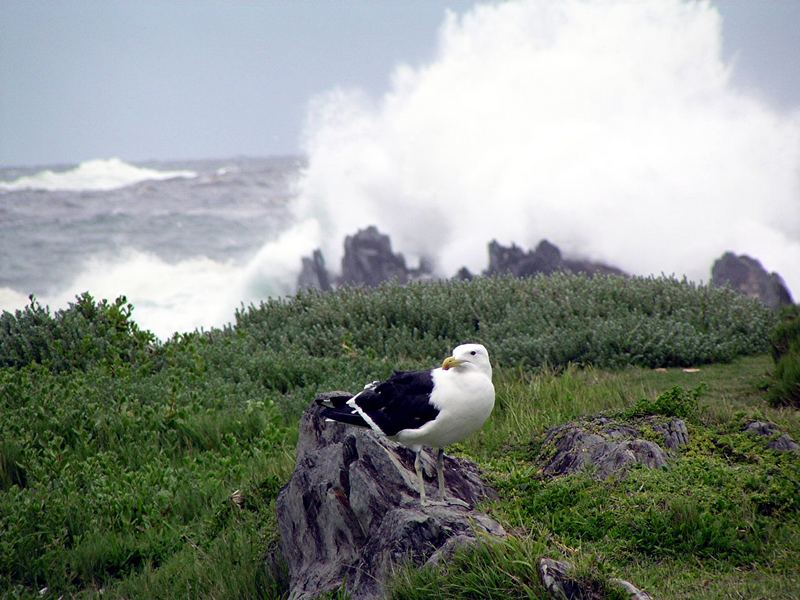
{"points": [[178, 80]]}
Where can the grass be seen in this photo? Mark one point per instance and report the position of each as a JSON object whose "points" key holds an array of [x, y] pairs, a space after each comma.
{"points": [[125, 483], [721, 521], [137, 470]]}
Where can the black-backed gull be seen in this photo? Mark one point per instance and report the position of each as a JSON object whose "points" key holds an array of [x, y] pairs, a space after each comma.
{"points": [[424, 408]]}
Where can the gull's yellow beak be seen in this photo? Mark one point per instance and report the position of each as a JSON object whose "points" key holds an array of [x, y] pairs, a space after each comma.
{"points": [[450, 362]]}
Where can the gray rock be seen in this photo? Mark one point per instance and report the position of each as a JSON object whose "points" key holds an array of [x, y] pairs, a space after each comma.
{"points": [[588, 267], [464, 274], [633, 592], [784, 443], [674, 432], [369, 261], [746, 275], [351, 511], [545, 259], [513, 260], [765, 428], [313, 274], [556, 579], [607, 448]]}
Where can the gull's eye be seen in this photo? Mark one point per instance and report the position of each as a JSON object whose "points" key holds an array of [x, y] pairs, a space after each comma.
{"points": [[473, 353]]}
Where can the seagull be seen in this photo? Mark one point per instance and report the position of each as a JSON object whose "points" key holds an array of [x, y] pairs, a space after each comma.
{"points": [[424, 408]]}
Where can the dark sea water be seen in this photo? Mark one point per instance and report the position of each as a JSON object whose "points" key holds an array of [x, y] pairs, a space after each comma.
{"points": [[116, 228]]}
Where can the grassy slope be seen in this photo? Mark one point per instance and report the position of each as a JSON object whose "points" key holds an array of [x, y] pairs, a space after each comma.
{"points": [[721, 521], [119, 461]]}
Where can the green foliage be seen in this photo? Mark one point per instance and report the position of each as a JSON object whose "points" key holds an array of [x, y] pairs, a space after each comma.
{"points": [[786, 333], [12, 470], [702, 507], [506, 569], [725, 508], [555, 320], [129, 470], [120, 458], [675, 402], [83, 334], [785, 388]]}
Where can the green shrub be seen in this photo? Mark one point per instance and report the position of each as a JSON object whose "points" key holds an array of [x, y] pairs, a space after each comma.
{"points": [[12, 472], [785, 346], [786, 334], [700, 506], [553, 320], [85, 333], [675, 402]]}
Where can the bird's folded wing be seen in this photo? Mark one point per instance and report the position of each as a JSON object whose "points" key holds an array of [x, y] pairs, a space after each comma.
{"points": [[400, 402]]}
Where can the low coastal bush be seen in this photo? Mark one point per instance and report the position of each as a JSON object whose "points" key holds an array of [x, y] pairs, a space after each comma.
{"points": [[84, 333], [785, 346], [544, 320], [113, 471], [675, 402]]}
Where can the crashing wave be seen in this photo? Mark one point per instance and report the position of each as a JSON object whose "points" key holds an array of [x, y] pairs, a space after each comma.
{"points": [[612, 128], [101, 174]]}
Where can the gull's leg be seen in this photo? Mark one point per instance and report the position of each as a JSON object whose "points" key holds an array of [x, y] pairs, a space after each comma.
{"points": [[440, 472], [418, 469]]}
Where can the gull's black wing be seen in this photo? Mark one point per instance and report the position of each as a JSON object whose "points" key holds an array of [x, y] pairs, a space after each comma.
{"points": [[400, 402]]}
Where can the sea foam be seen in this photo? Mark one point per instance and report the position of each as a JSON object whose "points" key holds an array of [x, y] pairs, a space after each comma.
{"points": [[167, 296], [612, 128], [179, 296], [92, 175]]}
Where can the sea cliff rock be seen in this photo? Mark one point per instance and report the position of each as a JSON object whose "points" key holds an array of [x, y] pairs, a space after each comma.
{"points": [[351, 511], [608, 448], [313, 274], [545, 259], [746, 275], [369, 261]]}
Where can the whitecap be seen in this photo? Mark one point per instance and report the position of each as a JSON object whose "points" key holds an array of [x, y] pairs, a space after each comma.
{"points": [[92, 175], [180, 296]]}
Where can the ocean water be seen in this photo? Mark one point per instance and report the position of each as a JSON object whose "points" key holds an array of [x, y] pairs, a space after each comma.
{"points": [[175, 237], [614, 129]]}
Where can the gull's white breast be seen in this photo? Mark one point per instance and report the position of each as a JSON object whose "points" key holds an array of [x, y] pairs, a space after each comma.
{"points": [[464, 400]]}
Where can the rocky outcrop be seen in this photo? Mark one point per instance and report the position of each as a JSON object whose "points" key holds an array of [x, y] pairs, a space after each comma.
{"points": [[545, 259], [780, 443], [674, 432], [557, 578], [313, 274], [369, 261], [351, 511], [463, 274], [746, 275], [513, 260], [607, 448]]}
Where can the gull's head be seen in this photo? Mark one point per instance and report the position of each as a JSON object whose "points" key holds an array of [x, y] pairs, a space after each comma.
{"points": [[467, 357]]}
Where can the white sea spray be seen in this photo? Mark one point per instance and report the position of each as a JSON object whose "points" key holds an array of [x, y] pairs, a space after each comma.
{"points": [[611, 128]]}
